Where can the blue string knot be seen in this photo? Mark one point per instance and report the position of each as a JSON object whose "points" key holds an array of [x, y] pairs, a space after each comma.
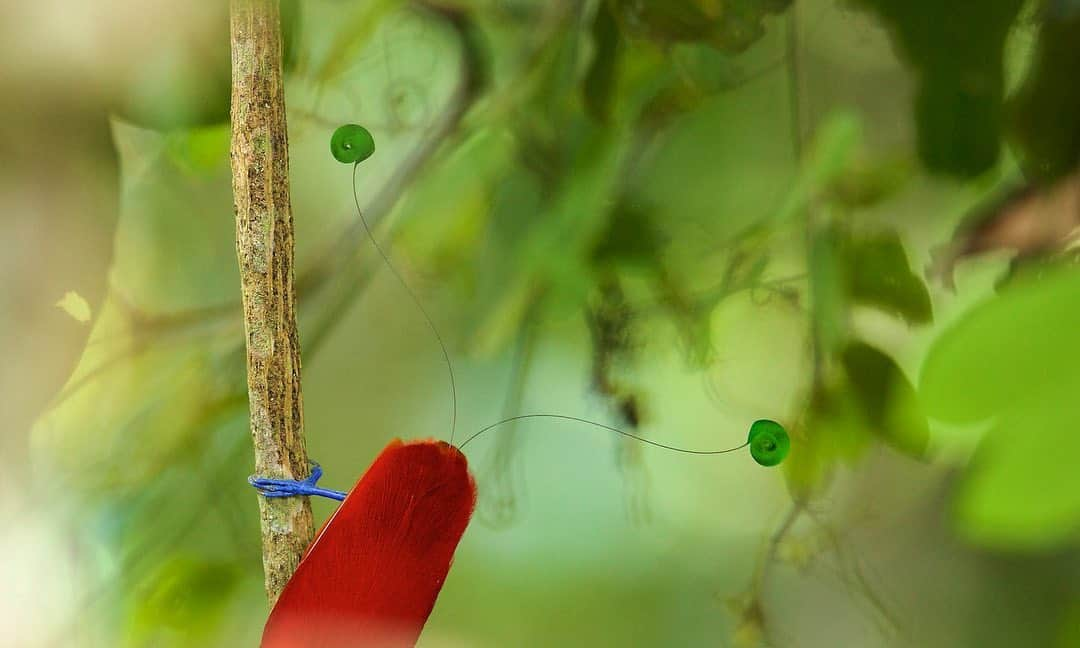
{"points": [[268, 487]]}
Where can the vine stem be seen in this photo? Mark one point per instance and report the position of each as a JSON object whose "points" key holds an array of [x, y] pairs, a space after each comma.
{"points": [[259, 156]]}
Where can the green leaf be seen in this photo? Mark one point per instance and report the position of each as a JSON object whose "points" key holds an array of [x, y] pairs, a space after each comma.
{"points": [[1022, 489], [870, 269], [163, 354], [165, 395], [879, 276], [886, 399], [1011, 350], [1012, 361]]}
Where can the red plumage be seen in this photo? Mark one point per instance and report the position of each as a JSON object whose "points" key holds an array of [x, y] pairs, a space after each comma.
{"points": [[373, 573]]}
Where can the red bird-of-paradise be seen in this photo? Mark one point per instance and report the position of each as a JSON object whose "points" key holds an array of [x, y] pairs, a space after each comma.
{"points": [[374, 571]]}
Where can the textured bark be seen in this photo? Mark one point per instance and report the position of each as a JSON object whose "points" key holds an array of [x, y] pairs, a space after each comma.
{"points": [[264, 247]]}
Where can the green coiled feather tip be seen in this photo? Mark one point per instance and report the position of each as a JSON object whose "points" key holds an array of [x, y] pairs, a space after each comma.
{"points": [[769, 442], [351, 144]]}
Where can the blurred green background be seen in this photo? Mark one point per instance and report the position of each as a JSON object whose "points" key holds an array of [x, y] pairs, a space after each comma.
{"points": [[672, 216]]}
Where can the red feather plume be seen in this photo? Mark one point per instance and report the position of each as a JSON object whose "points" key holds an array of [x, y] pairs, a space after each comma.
{"points": [[374, 570]]}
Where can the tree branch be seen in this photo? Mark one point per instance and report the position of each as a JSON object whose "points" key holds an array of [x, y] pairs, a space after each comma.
{"points": [[264, 248]]}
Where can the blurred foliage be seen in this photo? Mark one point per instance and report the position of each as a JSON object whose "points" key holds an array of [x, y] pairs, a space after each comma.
{"points": [[185, 82], [1041, 112], [729, 26], [869, 398], [183, 602], [956, 50], [878, 275], [606, 204]]}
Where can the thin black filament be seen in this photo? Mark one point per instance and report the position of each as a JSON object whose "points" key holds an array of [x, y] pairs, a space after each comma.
{"points": [[616, 430], [416, 300]]}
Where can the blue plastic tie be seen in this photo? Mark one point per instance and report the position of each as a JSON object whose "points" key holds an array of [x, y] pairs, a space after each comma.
{"points": [[293, 487]]}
